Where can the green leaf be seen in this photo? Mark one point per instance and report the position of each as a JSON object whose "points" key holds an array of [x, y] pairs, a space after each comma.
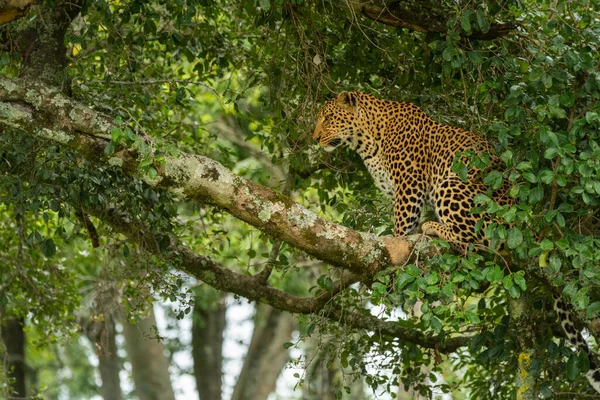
{"points": [[432, 289], [475, 58], [550, 153], [460, 169], [547, 245], [472, 317], [547, 176], [325, 282], [520, 280], [593, 309], [402, 280], [152, 173], [562, 243], [436, 324], [591, 117], [494, 274], [378, 287], [530, 176], [483, 23], [48, 248], [536, 368], [413, 270], [515, 238], [448, 53], [514, 291], [179, 94], [524, 166], [109, 149], [584, 361], [546, 390], [432, 278], [543, 260], [494, 179], [573, 367], [448, 290], [507, 282], [465, 23], [536, 194]]}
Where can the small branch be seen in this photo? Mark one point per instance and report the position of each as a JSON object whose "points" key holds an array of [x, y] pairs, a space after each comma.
{"points": [[254, 288], [264, 275], [235, 137], [89, 226], [184, 82], [39, 109]]}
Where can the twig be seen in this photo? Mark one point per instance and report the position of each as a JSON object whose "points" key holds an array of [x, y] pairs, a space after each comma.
{"points": [[153, 82], [263, 276]]}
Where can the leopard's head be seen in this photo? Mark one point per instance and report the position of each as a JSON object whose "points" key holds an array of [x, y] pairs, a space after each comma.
{"points": [[339, 121]]}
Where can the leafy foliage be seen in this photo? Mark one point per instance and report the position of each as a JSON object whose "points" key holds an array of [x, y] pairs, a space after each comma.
{"points": [[182, 74]]}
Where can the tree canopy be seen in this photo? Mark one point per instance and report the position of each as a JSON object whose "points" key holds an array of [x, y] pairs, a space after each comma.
{"points": [[155, 147]]}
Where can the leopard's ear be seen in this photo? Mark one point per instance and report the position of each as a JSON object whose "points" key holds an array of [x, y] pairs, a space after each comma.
{"points": [[347, 100]]}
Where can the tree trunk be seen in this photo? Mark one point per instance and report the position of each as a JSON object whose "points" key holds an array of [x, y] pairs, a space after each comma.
{"points": [[266, 356], [519, 319], [411, 393], [3, 359], [14, 340], [323, 381], [207, 344], [103, 337], [43, 44], [148, 362]]}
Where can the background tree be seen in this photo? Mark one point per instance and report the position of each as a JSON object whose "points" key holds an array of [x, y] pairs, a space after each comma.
{"points": [[159, 146]]}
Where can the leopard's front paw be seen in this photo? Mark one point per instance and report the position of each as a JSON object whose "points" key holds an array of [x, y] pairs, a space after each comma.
{"points": [[398, 249]]}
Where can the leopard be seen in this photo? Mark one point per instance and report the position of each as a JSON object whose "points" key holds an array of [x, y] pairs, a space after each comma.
{"points": [[410, 158]]}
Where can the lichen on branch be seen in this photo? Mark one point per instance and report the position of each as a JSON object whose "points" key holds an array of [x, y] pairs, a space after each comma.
{"points": [[37, 108]]}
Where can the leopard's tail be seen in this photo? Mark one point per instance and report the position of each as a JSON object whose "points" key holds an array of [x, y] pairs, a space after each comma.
{"points": [[575, 338]]}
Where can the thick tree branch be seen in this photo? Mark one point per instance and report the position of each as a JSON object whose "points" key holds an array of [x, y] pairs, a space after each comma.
{"points": [[255, 288], [43, 48], [40, 110], [45, 111], [420, 16]]}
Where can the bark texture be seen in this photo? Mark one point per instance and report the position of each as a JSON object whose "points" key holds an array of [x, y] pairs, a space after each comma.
{"points": [[43, 44], [266, 356], [150, 367], [523, 324], [207, 346], [48, 113], [36, 108]]}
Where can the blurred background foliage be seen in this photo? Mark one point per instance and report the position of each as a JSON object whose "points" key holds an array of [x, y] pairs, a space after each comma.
{"points": [[241, 82]]}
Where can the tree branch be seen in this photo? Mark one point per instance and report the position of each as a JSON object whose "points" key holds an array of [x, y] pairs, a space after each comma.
{"points": [[255, 288], [421, 17], [34, 107]]}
